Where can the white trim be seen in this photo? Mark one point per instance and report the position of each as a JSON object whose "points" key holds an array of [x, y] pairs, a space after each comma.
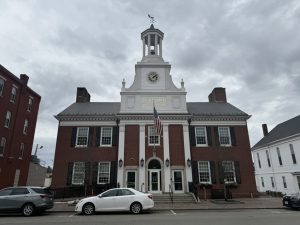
{"points": [[87, 141], [229, 136], [86, 123], [108, 172], [3, 78], [111, 137], [208, 164], [152, 144], [120, 170], [73, 170], [218, 123], [147, 122], [206, 141], [141, 169]]}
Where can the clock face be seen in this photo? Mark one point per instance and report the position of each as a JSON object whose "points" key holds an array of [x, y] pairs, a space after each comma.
{"points": [[153, 76]]}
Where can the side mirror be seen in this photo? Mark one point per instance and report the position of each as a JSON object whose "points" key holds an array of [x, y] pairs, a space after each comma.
{"points": [[99, 196]]}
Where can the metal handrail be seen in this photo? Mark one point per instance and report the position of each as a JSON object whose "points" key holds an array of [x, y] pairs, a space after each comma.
{"points": [[171, 193]]}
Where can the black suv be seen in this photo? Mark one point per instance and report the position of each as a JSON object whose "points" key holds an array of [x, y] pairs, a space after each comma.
{"points": [[292, 201]]}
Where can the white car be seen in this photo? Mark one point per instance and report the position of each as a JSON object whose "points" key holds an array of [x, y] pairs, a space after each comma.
{"points": [[117, 199]]}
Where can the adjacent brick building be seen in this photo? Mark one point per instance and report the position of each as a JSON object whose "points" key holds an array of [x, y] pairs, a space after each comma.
{"points": [[108, 144], [19, 107]]}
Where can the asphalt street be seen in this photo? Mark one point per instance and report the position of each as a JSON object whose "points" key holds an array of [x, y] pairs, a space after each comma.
{"points": [[174, 217]]}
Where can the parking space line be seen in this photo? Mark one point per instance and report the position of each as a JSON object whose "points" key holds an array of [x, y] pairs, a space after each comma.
{"points": [[174, 213]]}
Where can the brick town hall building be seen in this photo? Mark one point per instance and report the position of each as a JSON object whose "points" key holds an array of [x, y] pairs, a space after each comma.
{"points": [[101, 145]]}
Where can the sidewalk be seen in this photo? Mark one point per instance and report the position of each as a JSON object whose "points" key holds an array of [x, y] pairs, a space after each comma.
{"points": [[211, 204]]}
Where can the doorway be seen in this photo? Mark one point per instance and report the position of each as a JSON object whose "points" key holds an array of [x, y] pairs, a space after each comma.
{"points": [[177, 178], [154, 176], [131, 179]]}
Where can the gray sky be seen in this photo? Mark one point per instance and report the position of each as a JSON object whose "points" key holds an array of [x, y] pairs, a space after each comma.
{"points": [[251, 48]]}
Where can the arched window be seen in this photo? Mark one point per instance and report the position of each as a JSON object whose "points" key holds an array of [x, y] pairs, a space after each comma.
{"points": [[2, 146], [13, 94], [21, 153], [154, 164], [7, 119], [25, 129], [29, 106]]}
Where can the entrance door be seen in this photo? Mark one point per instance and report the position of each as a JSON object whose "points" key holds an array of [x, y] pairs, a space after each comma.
{"points": [[177, 181], [154, 181], [131, 179]]}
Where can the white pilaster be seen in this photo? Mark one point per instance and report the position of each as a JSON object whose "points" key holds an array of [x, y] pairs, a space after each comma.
{"points": [[144, 47], [148, 36], [187, 154], [160, 47], [155, 45], [167, 173], [120, 177], [142, 155]]}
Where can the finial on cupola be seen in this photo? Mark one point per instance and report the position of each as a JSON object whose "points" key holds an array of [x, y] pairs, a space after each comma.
{"points": [[182, 83], [123, 83]]}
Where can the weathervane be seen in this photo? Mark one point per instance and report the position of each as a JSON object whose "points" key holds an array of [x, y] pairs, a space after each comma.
{"points": [[151, 19]]}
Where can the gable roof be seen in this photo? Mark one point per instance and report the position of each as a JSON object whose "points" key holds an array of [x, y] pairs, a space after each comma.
{"points": [[113, 108], [283, 130]]}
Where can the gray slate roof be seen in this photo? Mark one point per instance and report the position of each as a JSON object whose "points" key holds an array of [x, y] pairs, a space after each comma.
{"points": [[113, 108], [283, 130]]}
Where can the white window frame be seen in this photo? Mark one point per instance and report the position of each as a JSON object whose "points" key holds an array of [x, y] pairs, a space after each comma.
{"points": [[13, 94], [86, 135], [7, 119], [232, 171], [110, 136], [26, 125], [2, 82], [103, 173], [208, 171], [258, 160], [76, 166], [220, 136], [205, 136], [262, 182], [21, 152], [294, 159], [30, 102], [284, 183], [272, 182], [151, 130], [2, 145]]}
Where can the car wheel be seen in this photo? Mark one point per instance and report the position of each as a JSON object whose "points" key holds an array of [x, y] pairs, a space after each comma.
{"points": [[88, 209], [28, 209], [136, 208]]}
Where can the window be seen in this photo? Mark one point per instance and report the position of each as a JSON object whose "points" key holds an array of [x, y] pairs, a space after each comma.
{"points": [[7, 119], [103, 172], [25, 128], [224, 136], [124, 192], [229, 173], [268, 158], [262, 182], [82, 136], [21, 153], [201, 138], [279, 156], [153, 138], [13, 94], [293, 154], [272, 182], [2, 146], [19, 191], [110, 193], [106, 136], [29, 106], [284, 182], [78, 173], [204, 172], [1, 86], [6, 191], [258, 159]]}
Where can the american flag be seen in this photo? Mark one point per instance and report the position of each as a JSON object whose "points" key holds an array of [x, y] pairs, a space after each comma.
{"points": [[157, 123]]}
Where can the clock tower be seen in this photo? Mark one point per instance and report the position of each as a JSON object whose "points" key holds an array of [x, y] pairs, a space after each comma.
{"points": [[153, 82]]}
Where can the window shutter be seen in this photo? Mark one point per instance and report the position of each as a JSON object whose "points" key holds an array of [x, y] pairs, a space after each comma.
{"points": [[213, 172], [208, 133], [87, 172], [195, 172], [232, 135], [94, 173], [98, 135], [91, 132], [73, 136], [217, 136], [69, 173], [113, 174], [115, 136], [237, 172], [192, 136], [221, 172]]}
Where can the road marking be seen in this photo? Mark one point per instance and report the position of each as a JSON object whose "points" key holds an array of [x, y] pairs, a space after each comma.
{"points": [[174, 213], [72, 215]]}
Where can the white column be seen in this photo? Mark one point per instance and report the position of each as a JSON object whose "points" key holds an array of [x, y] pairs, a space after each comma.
{"points": [[144, 46], [187, 154], [167, 173], [155, 45], [120, 177], [148, 36], [142, 155], [160, 47]]}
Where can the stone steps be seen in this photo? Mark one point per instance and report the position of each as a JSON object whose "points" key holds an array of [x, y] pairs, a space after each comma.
{"points": [[177, 198]]}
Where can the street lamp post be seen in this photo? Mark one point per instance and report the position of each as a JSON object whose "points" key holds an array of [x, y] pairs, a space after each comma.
{"points": [[37, 147]]}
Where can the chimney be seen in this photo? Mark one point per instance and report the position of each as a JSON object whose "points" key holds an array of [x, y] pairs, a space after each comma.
{"points": [[265, 129], [82, 95], [218, 94], [24, 79]]}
